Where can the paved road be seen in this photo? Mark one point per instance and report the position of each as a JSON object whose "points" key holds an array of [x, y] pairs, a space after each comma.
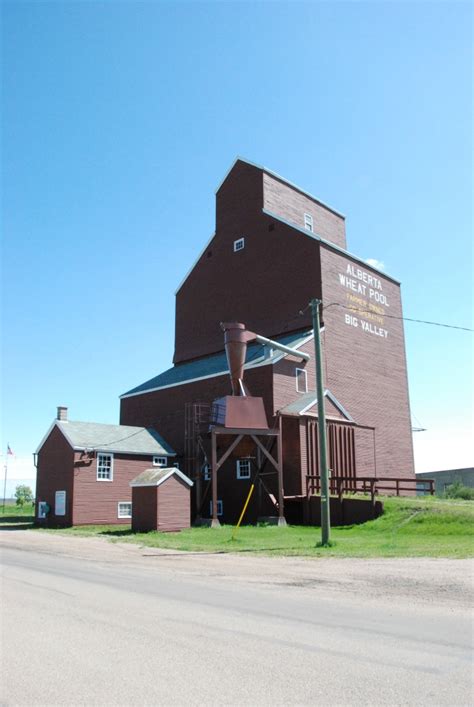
{"points": [[86, 622]]}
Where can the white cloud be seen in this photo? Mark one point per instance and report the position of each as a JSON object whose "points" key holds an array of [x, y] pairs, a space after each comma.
{"points": [[375, 263]]}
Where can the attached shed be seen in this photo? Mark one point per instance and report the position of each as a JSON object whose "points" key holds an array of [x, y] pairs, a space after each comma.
{"points": [[84, 470], [161, 500]]}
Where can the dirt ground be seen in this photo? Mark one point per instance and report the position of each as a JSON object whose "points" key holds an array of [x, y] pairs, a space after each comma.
{"points": [[420, 583]]}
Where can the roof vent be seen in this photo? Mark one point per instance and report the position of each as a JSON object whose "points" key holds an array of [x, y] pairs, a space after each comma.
{"points": [[62, 413]]}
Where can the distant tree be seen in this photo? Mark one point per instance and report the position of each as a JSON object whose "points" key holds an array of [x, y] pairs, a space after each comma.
{"points": [[23, 494]]}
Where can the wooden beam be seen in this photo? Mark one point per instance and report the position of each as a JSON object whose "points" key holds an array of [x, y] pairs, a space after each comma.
{"points": [[267, 454], [228, 452]]}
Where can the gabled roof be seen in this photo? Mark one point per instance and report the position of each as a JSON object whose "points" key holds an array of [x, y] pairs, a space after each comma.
{"points": [[304, 231], [155, 477], [216, 365], [281, 179], [329, 244], [307, 401], [111, 438]]}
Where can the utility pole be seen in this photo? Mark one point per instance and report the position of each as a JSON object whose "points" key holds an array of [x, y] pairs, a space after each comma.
{"points": [[323, 465]]}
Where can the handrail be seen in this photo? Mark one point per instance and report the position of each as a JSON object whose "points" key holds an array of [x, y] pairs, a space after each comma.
{"points": [[365, 484]]}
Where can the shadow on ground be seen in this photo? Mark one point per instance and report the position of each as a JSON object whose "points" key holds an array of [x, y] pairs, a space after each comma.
{"points": [[13, 522]]}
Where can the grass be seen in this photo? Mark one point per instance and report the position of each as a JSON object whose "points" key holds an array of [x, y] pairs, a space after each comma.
{"points": [[409, 527], [15, 516]]}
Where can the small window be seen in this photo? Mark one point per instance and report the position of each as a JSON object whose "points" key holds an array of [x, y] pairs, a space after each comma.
{"points": [[160, 461], [105, 467], [124, 509], [206, 472], [301, 381], [243, 468], [239, 244], [308, 222], [219, 508]]}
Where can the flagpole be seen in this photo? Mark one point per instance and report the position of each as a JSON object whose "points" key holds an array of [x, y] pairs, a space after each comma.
{"points": [[5, 469]]}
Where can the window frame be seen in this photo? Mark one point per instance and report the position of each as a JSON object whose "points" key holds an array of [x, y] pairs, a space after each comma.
{"points": [[111, 468], [58, 504], [243, 462], [297, 371], [157, 463], [206, 472], [43, 509], [308, 222], [239, 244], [123, 503], [220, 507]]}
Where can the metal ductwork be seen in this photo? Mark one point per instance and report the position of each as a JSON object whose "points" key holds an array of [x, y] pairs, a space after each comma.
{"points": [[236, 338]]}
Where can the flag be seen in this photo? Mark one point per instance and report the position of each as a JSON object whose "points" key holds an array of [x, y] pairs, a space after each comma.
{"points": [[9, 451]]}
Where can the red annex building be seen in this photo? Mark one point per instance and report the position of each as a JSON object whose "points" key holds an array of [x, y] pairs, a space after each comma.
{"points": [[275, 248]]}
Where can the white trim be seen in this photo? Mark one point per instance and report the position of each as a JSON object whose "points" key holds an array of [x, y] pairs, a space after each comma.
{"points": [[333, 246], [62, 504], [339, 405], [42, 512], [171, 471], [308, 222], [53, 425], [106, 450], [282, 179], [301, 370], [248, 366], [334, 400], [164, 461], [239, 244], [105, 454], [195, 263], [220, 506], [121, 503], [241, 462], [51, 428]]}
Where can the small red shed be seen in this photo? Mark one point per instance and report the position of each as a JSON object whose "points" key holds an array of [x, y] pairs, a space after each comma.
{"points": [[161, 500]]}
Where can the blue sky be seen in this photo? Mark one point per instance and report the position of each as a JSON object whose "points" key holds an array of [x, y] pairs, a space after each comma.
{"points": [[121, 118]]}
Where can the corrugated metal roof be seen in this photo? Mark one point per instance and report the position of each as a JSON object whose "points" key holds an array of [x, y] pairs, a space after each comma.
{"points": [[215, 365], [114, 438]]}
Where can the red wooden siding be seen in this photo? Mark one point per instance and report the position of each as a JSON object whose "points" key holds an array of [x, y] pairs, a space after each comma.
{"points": [[174, 505], [291, 205], [55, 473], [144, 509], [164, 409], [367, 372], [228, 286], [97, 501]]}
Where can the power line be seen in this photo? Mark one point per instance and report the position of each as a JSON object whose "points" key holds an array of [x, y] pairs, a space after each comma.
{"points": [[393, 316]]}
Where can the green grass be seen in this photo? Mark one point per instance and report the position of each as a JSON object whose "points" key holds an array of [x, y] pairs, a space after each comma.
{"points": [[409, 527], [13, 515]]}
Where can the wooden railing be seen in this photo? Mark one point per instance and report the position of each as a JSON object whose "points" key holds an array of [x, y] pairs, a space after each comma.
{"points": [[367, 484]]}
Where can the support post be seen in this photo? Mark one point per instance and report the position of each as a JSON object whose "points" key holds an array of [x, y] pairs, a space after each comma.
{"points": [[323, 467], [198, 482], [214, 520], [281, 510]]}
